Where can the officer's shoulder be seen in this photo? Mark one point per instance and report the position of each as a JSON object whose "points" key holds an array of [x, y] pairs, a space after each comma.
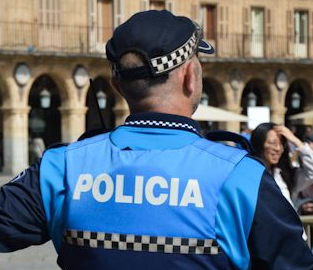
{"points": [[56, 145], [91, 133], [221, 151], [89, 137], [55, 148]]}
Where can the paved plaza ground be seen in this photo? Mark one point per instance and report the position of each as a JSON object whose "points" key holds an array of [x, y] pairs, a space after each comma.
{"points": [[34, 258]]}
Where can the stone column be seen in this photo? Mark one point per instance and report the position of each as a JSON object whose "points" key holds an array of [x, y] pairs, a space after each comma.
{"points": [[73, 123], [233, 126], [232, 105], [278, 115], [15, 139]]}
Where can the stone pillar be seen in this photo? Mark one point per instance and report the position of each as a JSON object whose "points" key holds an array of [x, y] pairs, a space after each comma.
{"points": [[15, 139], [232, 105], [278, 115], [233, 126], [121, 111], [73, 123]]}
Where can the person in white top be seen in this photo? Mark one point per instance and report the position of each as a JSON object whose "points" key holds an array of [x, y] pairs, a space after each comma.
{"points": [[271, 143]]}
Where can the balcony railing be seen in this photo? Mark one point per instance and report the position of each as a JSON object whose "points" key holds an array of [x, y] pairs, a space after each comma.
{"points": [[262, 46], [34, 37]]}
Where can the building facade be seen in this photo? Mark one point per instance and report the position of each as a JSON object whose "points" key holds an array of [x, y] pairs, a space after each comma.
{"points": [[50, 48]]}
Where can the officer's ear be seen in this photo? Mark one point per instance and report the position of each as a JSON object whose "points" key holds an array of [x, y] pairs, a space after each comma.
{"points": [[190, 78]]}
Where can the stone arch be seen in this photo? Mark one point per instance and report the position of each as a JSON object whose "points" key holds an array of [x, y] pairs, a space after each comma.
{"points": [[217, 98], [44, 119], [215, 91], [63, 86], [260, 88], [304, 89], [93, 120]]}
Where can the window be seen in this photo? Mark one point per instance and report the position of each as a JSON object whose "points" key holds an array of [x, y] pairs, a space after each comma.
{"points": [[301, 26], [49, 13], [100, 24], [300, 33], [208, 17], [49, 18], [257, 32]]}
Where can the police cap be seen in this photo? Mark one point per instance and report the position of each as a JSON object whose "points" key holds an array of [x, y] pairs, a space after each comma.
{"points": [[164, 40]]}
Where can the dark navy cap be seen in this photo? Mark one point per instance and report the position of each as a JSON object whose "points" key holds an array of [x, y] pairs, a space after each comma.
{"points": [[164, 40]]}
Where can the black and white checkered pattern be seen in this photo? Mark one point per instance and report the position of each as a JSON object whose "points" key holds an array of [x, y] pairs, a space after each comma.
{"points": [[160, 124], [147, 243], [174, 59]]}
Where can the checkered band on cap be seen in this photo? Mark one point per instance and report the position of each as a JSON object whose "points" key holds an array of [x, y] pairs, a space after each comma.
{"points": [[175, 58], [147, 243]]}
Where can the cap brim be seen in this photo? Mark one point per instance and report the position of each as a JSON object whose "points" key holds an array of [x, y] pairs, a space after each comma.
{"points": [[205, 47]]}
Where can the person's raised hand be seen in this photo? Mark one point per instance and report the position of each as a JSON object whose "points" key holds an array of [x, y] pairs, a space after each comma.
{"points": [[287, 133]]}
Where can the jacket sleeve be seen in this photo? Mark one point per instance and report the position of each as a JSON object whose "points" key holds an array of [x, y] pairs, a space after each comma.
{"points": [[22, 215], [275, 240]]}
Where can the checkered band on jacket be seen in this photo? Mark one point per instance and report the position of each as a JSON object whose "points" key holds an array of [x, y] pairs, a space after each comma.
{"points": [[147, 243]]}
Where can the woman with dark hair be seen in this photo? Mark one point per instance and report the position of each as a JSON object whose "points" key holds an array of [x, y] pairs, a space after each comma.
{"points": [[271, 144]]}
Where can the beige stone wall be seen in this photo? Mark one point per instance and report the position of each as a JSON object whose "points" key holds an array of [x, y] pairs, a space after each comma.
{"points": [[233, 17]]}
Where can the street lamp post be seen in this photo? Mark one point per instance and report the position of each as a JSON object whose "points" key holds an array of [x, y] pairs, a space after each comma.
{"points": [[45, 99], [102, 99], [204, 99], [252, 99], [295, 100]]}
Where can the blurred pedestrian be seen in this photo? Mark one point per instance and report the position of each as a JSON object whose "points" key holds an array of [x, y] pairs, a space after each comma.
{"points": [[270, 143]]}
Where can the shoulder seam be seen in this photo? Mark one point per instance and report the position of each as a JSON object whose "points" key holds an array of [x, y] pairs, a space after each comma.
{"points": [[221, 157], [82, 143]]}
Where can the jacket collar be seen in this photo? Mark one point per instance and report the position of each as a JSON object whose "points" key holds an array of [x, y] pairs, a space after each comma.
{"points": [[162, 120]]}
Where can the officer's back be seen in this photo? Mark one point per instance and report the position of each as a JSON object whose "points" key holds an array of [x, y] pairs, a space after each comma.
{"points": [[154, 194]]}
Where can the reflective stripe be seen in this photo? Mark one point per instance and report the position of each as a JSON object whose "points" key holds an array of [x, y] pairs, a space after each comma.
{"points": [[142, 242]]}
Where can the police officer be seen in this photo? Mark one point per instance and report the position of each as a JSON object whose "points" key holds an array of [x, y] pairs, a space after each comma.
{"points": [[153, 194]]}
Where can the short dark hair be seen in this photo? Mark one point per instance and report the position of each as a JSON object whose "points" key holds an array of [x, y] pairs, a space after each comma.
{"points": [[140, 88]]}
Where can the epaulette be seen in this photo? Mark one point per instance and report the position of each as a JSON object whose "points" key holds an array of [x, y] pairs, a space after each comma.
{"points": [[56, 145], [227, 136], [91, 133]]}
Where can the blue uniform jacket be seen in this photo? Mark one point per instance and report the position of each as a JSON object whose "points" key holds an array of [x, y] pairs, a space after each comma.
{"points": [[262, 233]]}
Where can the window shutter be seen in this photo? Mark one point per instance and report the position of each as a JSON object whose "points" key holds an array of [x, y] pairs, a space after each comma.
{"points": [[290, 33], [310, 33], [220, 21], [270, 49], [246, 32], [144, 5], [222, 31], [169, 5], [268, 24], [92, 7], [246, 21], [226, 21], [195, 12], [118, 12], [311, 26]]}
